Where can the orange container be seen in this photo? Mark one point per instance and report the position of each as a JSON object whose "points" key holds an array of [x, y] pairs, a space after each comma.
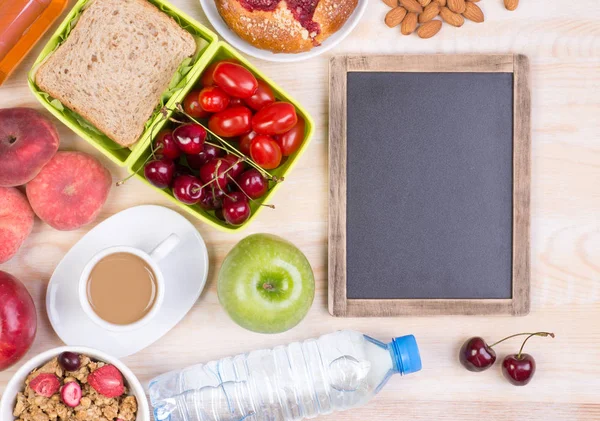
{"points": [[22, 24]]}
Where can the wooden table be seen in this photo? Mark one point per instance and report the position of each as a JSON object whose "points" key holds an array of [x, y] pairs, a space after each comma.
{"points": [[562, 40]]}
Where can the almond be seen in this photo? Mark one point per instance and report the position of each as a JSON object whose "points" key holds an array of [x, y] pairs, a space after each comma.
{"points": [[431, 11], [391, 3], [451, 18], [473, 12], [395, 16], [409, 24], [411, 5], [441, 3], [511, 4], [424, 2], [429, 29], [457, 6]]}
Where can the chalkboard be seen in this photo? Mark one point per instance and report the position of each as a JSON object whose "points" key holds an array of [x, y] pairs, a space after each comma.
{"points": [[435, 203]]}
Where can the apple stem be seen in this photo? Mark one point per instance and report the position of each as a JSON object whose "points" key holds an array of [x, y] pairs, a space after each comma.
{"points": [[268, 286], [522, 334], [527, 338]]}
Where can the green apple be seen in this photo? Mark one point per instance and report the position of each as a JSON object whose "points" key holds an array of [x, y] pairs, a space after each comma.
{"points": [[266, 284]]}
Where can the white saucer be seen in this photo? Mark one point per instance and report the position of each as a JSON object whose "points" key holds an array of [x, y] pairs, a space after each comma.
{"points": [[185, 270]]}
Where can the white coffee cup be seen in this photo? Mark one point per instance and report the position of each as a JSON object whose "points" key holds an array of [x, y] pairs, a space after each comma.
{"points": [[152, 259]]}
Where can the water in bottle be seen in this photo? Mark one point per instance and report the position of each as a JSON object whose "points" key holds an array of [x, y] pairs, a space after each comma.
{"points": [[337, 371]]}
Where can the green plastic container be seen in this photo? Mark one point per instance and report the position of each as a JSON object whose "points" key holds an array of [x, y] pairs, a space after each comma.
{"points": [[206, 41], [224, 51], [210, 50]]}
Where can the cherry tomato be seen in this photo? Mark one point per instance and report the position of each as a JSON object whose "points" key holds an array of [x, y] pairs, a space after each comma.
{"points": [[207, 76], [235, 79], [276, 118], [263, 96], [233, 101], [290, 141], [235, 121], [265, 152], [191, 105], [245, 142], [213, 99]]}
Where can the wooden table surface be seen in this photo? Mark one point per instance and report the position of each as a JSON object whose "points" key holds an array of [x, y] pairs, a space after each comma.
{"points": [[562, 40]]}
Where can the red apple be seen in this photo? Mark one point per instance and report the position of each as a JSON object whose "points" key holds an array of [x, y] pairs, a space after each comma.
{"points": [[70, 190], [18, 320], [27, 142], [16, 221]]}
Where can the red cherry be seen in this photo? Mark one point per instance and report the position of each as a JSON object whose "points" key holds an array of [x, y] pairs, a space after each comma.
{"points": [[237, 166], [215, 169], [187, 189], [476, 355], [209, 152], [518, 369], [190, 138], [236, 209], [212, 198], [159, 172], [252, 183], [164, 145]]}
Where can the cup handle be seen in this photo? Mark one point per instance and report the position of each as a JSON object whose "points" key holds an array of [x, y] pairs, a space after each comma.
{"points": [[164, 248]]}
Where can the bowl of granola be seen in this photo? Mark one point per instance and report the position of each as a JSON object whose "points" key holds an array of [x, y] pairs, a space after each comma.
{"points": [[74, 384]]}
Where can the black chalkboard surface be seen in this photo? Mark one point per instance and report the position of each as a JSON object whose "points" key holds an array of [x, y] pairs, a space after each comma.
{"points": [[430, 190]]}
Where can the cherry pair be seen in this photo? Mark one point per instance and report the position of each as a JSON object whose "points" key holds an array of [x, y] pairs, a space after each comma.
{"points": [[476, 355]]}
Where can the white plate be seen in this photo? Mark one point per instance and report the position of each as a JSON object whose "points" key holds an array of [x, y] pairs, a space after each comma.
{"points": [[185, 270], [210, 9]]}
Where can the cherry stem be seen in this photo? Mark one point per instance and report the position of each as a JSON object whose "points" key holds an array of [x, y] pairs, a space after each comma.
{"points": [[227, 147], [249, 198], [522, 334], [527, 338]]}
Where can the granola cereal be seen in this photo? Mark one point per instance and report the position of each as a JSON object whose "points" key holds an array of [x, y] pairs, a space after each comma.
{"points": [[46, 404]]}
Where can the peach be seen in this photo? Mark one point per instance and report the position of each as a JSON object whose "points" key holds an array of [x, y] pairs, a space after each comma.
{"points": [[27, 142], [70, 190], [16, 221]]}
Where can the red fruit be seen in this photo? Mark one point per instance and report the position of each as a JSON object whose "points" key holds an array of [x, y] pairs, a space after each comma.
{"points": [[245, 142], [164, 145], [190, 138], [233, 102], [237, 166], [70, 190], [70, 361], [207, 76], [107, 380], [28, 140], [70, 394], [187, 189], [235, 79], [209, 152], [263, 96], [276, 118], [215, 169], [18, 320], [252, 183], [160, 172], [16, 222], [45, 384], [232, 122], [213, 99], [290, 141], [476, 355], [212, 198], [191, 105], [236, 209], [265, 152], [518, 370]]}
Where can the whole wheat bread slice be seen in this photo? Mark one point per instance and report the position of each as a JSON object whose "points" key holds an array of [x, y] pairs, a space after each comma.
{"points": [[115, 64]]}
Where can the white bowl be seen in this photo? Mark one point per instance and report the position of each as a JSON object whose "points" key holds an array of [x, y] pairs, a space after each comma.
{"points": [[17, 382], [210, 9]]}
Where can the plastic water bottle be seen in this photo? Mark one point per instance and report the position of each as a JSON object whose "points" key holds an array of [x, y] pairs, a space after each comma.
{"points": [[337, 371]]}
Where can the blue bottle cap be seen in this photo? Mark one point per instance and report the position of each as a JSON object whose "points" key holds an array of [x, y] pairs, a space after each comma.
{"points": [[406, 354]]}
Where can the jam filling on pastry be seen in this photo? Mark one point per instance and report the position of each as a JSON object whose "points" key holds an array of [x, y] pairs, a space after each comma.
{"points": [[302, 10]]}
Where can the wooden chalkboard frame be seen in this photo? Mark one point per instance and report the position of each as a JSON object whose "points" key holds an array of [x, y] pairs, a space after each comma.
{"points": [[339, 304]]}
